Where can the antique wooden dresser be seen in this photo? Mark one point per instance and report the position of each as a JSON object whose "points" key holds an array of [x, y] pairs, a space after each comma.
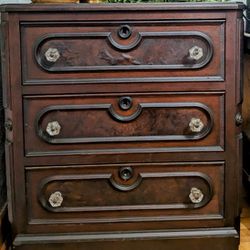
{"points": [[123, 125]]}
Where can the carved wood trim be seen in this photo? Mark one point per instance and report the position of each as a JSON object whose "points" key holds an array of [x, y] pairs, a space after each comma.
{"points": [[42, 134], [109, 177], [133, 66], [203, 217]]}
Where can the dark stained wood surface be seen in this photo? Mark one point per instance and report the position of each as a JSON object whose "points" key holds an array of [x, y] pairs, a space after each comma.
{"points": [[93, 195], [225, 242], [138, 124], [98, 123], [92, 51], [120, 7]]}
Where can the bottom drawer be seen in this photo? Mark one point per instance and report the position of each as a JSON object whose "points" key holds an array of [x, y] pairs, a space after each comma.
{"points": [[114, 197], [219, 239]]}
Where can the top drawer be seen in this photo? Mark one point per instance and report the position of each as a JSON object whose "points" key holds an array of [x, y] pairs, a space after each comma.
{"points": [[122, 51]]}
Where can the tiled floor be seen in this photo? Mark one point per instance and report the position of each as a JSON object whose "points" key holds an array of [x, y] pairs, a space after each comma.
{"points": [[245, 233], [245, 225]]}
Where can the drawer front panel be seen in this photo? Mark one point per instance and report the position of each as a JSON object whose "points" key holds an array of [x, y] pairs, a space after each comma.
{"points": [[125, 193], [92, 52], [58, 123]]}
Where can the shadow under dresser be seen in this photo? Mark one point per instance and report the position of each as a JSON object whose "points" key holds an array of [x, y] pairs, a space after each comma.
{"points": [[123, 125]]}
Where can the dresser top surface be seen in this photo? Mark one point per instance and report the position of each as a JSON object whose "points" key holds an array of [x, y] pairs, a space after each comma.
{"points": [[119, 7]]}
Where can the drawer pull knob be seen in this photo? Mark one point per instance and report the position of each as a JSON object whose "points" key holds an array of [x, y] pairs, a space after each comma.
{"points": [[8, 125], [126, 173], [125, 102], [196, 53], [196, 125], [238, 119], [53, 128], [196, 196], [56, 199], [52, 55]]}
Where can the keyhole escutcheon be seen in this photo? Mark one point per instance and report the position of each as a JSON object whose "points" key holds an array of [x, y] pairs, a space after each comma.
{"points": [[125, 102], [125, 31]]}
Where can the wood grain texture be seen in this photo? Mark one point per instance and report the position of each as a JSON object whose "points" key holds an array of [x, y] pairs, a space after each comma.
{"points": [[98, 123], [92, 51], [124, 102], [98, 195]]}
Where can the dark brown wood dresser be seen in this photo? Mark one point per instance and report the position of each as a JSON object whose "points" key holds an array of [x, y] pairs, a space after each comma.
{"points": [[123, 125]]}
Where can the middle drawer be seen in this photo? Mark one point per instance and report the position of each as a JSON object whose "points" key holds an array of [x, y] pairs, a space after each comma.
{"points": [[55, 125]]}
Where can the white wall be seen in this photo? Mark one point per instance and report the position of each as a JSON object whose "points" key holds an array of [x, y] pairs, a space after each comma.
{"points": [[28, 1], [14, 1]]}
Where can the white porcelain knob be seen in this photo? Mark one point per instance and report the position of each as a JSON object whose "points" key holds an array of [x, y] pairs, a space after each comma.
{"points": [[52, 55], [56, 199], [196, 53], [196, 125], [196, 196], [53, 128]]}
